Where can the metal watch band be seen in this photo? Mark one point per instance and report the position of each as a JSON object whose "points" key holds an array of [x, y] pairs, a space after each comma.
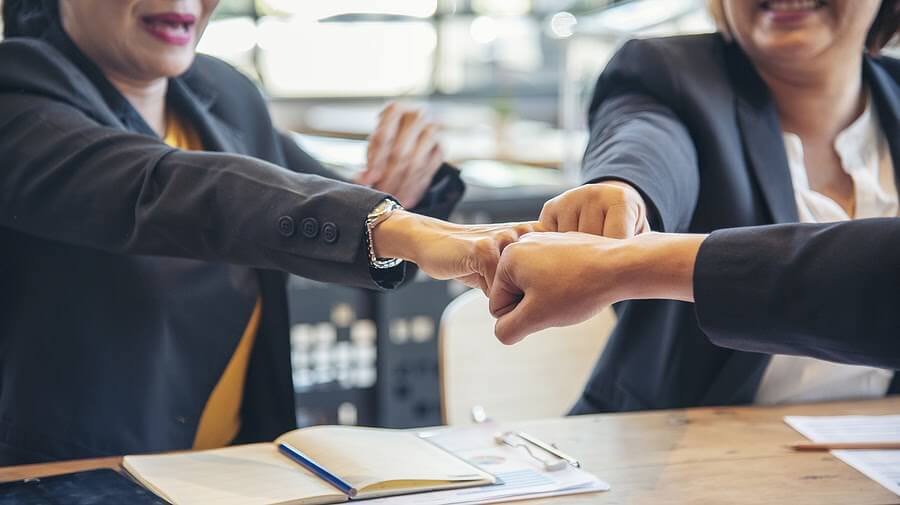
{"points": [[379, 214]]}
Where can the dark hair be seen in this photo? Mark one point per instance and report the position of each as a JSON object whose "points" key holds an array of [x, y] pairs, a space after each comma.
{"points": [[885, 26], [29, 18]]}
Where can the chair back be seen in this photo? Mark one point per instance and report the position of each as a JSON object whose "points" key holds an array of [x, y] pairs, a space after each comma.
{"points": [[540, 377]]}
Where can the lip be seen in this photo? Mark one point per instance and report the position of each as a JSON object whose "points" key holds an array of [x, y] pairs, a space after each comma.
{"points": [[790, 12], [174, 28]]}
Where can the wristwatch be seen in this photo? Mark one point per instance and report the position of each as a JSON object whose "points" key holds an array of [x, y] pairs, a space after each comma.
{"points": [[379, 214]]}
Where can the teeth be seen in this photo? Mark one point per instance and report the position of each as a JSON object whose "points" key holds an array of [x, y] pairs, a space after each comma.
{"points": [[181, 27], [793, 5]]}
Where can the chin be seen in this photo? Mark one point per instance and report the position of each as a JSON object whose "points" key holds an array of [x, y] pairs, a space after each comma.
{"points": [[171, 66], [795, 46]]}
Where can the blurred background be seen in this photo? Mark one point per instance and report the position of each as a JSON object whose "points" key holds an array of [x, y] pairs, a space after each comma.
{"points": [[507, 79]]}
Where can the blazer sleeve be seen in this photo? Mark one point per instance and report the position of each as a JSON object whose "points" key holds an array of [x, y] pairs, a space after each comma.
{"points": [[444, 192], [64, 177], [637, 137], [827, 291]]}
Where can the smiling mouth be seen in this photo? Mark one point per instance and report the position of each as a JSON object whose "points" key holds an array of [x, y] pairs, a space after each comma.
{"points": [[172, 27], [171, 22], [792, 5]]}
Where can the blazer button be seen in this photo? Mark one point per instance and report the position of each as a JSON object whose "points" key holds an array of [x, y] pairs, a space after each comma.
{"points": [[330, 233], [286, 226], [310, 227]]}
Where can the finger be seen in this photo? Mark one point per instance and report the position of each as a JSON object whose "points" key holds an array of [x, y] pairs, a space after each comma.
{"points": [[488, 260], [398, 164], [380, 142], [530, 227], [518, 323], [412, 130], [549, 218], [620, 222], [418, 185], [567, 220], [424, 163], [645, 226], [591, 221]]}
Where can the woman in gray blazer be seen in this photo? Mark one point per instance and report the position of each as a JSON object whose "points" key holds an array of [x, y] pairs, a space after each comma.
{"points": [[148, 210]]}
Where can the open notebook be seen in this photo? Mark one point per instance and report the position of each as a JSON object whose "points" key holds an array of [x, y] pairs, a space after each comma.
{"points": [[375, 462]]}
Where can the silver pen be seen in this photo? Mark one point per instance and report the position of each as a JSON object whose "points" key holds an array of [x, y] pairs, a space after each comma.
{"points": [[548, 448]]}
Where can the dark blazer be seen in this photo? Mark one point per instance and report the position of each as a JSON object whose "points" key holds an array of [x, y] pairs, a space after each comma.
{"points": [[690, 124], [130, 268], [829, 291]]}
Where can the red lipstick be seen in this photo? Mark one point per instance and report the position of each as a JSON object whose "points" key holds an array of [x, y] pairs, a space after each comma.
{"points": [[170, 27]]}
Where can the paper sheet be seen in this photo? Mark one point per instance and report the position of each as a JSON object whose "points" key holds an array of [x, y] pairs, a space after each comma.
{"points": [[881, 466], [520, 476]]}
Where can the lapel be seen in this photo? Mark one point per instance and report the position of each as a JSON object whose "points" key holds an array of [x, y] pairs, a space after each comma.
{"points": [[762, 139], [886, 94], [194, 97], [192, 94]]}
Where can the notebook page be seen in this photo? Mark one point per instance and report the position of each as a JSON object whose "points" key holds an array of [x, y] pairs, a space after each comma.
{"points": [[881, 466], [367, 456], [253, 474]]}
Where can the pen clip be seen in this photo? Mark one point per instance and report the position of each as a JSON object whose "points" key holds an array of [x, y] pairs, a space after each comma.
{"points": [[510, 438]]}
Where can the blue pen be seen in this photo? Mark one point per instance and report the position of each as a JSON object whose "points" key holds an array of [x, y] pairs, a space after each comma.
{"points": [[320, 471]]}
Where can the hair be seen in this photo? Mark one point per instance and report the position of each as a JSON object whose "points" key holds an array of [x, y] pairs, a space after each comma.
{"points": [[28, 18], [882, 32]]}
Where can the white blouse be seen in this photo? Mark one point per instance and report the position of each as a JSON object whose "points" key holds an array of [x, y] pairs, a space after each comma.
{"points": [[865, 156]]}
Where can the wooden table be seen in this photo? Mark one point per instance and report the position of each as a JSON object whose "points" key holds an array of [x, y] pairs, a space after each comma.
{"points": [[696, 456]]}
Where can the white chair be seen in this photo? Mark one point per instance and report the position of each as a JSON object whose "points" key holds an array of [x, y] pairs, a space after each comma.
{"points": [[539, 377]]}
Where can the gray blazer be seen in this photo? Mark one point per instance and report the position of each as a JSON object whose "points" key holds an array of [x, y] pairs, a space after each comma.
{"points": [[129, 269]]}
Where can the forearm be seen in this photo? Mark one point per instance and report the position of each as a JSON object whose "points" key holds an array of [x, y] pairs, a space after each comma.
{"points": [[657, 266]]}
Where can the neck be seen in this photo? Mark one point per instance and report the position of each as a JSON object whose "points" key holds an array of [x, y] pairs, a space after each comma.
{"points": [[817, 102], [147, 97]]}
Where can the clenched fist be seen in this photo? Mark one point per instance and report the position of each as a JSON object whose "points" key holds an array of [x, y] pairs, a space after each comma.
{"points": [[611, 209]]}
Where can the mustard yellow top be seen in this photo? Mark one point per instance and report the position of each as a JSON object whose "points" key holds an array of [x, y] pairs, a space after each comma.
{"points": [[221, 419]]}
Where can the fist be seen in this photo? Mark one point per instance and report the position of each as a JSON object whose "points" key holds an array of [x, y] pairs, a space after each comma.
{"points": [[554, 279], [611, 209], [404, 154]]}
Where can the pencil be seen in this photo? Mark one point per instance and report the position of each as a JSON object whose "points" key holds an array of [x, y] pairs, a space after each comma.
{"points": [[864, 446]]}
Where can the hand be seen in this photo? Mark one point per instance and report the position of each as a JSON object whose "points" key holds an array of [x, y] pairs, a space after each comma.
{"points": [[559, 279], [404, 154], [610, 209], [443, 250]]}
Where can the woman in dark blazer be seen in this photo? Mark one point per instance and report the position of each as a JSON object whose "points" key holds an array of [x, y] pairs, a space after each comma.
{"points": [[787, 114], [147, 209]]}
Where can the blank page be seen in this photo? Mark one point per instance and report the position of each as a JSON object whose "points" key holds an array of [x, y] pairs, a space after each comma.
{"points": [[366, 456], [255, 474]]}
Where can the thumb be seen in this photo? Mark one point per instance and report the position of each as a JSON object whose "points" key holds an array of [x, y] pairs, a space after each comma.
{"points": [[518, 323], [504, 293]]}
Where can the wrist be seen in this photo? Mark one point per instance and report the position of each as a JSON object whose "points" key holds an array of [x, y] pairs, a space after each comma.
{"points": [[395, 237], [660, 266]]}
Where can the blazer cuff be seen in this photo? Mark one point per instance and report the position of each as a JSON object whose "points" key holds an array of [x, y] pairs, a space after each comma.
{"points": [[444, 193]]}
